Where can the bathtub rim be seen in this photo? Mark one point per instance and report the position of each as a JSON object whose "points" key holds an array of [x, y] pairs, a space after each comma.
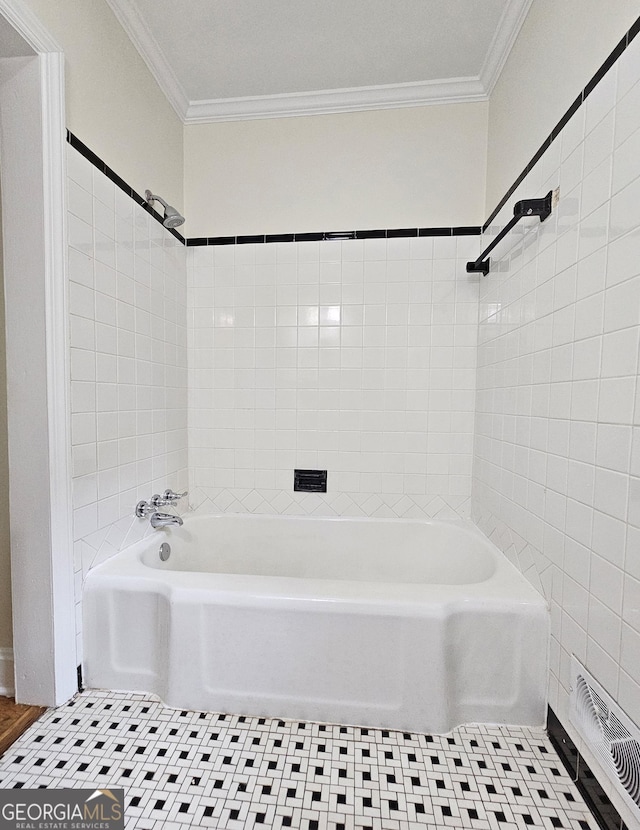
{"points": [[506, 585]]}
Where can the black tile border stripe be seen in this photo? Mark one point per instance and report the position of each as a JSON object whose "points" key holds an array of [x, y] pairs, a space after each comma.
{"points": [[588, 785], [617, 51], [335, 236], [75, 142], [379, 233]]}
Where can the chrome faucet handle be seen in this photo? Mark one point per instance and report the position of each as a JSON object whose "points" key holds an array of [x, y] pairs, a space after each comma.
{"points": [[144, 509], [169, 496], [157, 501]]}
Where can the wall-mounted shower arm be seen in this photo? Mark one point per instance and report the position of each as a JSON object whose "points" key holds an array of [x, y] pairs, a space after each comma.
{"points": [[172, 217], [526, 207], [151, 198]]}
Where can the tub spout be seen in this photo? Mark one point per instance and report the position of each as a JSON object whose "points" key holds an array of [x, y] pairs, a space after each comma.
{"points": [[164, 519]]}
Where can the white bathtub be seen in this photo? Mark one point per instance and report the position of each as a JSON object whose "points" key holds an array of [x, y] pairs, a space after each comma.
{"points": [[415, 625]]}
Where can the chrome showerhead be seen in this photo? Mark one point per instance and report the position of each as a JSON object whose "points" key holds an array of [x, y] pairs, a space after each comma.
{"points": [[172, 218]]}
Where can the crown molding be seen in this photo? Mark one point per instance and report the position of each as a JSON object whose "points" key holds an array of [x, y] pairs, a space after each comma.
{"points": [[325, 101], [330, 101], [147, 46], [505, 36]]}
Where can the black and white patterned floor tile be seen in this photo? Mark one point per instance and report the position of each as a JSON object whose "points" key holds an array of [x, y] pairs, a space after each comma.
{"points": [[182, 769]]}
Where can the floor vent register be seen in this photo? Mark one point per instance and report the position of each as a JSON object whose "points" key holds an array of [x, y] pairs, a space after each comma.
{"points": [[612, 737]]}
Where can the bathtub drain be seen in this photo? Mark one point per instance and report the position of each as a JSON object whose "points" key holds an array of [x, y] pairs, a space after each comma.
{"points": [[165, 551]]}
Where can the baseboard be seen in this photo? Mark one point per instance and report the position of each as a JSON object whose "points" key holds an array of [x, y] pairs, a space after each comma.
{"points": [[7, 683]]}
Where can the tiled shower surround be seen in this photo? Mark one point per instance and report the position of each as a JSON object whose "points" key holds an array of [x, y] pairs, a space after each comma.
{"points": [[356, 356], [365, 358], [127, 300], [557, 447]]}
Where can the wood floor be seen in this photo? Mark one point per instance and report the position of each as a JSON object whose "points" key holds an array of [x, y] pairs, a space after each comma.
{"points": [[15, 718]]}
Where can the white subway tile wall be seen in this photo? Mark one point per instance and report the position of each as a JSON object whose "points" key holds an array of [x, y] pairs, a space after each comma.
{"points": [[557, 448], [357, 357], [128, 317]]}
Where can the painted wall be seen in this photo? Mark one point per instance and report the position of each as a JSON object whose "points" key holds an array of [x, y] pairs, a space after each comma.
{"points": [[357, 357], [113, 103], [557, 447], [127, 300], [560, 46], [416, 167], [6, 628]]}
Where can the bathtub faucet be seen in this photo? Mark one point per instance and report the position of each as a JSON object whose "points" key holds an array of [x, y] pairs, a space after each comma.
{"points": [[149, 510], [163, 519]]}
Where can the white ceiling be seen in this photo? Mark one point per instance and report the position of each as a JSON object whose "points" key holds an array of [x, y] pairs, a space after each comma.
{"points": [[229, 59]]}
